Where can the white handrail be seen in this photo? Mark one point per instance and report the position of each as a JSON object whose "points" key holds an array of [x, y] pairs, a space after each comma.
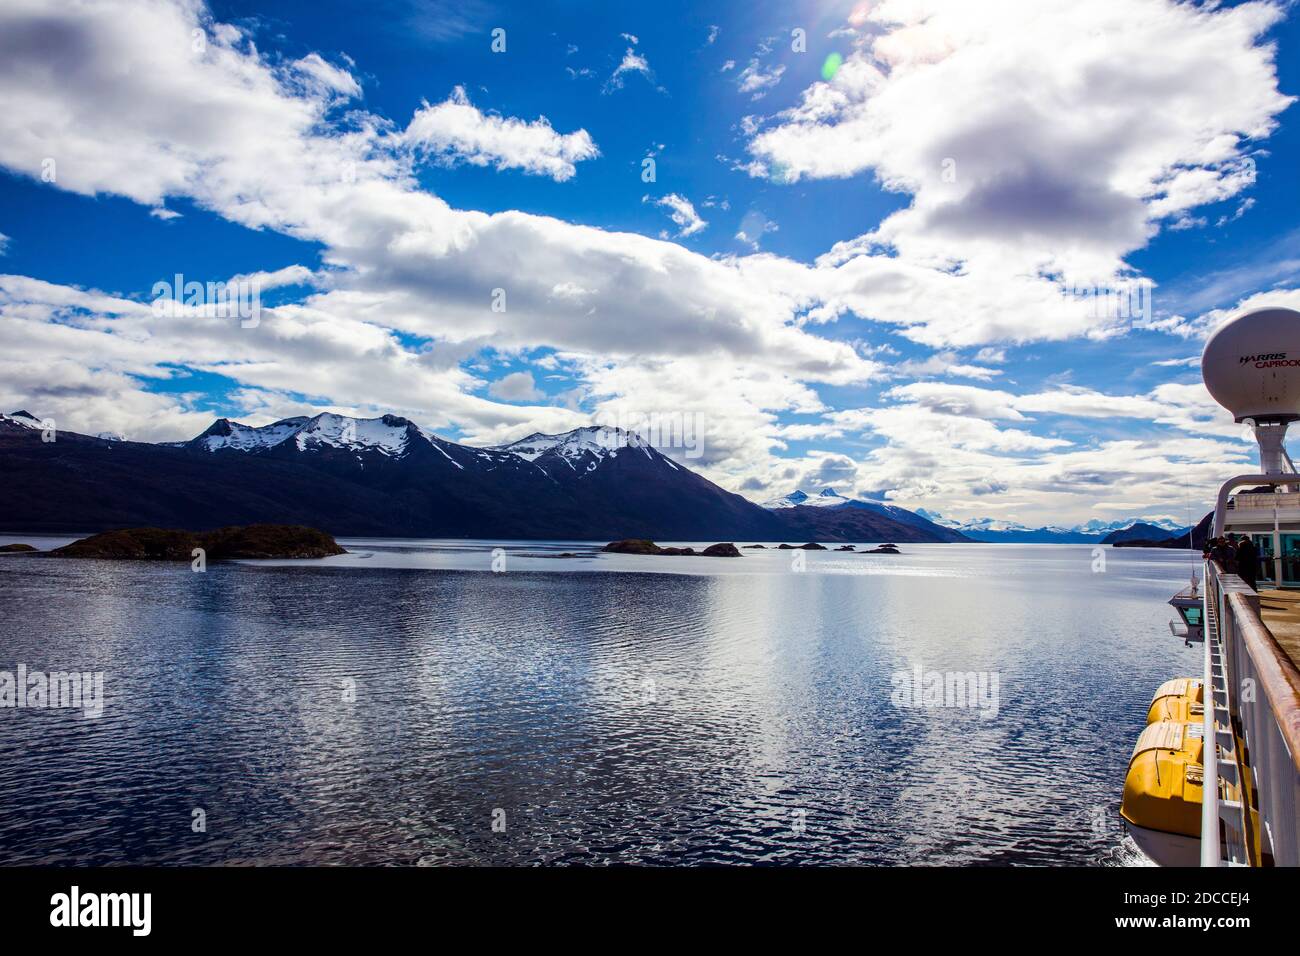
{"points": [[1260, 686]]}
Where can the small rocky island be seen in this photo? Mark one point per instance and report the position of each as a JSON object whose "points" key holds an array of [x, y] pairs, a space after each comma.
{"points": [[810, 546], [883, 549], [248, 541], [642, 546], [16, 548]]}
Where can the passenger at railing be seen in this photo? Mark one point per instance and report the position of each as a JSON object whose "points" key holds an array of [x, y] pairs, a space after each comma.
{"points": [[1248, 561], [1225, 555]]}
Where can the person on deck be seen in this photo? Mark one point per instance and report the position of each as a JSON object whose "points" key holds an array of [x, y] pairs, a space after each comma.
{"points": [[1225, 555], [1248, 562]]}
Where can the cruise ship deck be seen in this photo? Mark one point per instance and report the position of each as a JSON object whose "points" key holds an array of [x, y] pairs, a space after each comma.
{"points": [[1280, 611]]}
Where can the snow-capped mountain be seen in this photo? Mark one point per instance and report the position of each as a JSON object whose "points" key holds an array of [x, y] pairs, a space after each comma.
{"points": [[797, 499], [1000, 530], [389, 435], [370, 476], [22, 419], [389, 445], [388, 476], [582, 445], [1105, 527], [834, 507], [235, 436]]}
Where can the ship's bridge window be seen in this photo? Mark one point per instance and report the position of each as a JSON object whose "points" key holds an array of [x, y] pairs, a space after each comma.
{"points": [[1192, 615]]}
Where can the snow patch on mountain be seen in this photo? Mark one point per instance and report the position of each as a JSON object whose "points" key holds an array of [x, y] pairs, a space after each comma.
{"points": [[601, 442], [224, 433], [388, 434], [796, 498], [829, 498], [23, 418], [1093, 527]]}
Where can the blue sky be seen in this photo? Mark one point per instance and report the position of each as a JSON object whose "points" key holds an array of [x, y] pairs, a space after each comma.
{"points": [[868, 278]]}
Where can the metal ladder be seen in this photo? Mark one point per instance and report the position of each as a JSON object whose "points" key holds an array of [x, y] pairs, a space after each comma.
{"points": [[1226, 766]]}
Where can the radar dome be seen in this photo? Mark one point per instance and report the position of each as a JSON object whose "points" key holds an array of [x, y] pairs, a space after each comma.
{"points": [[1251, 365]]}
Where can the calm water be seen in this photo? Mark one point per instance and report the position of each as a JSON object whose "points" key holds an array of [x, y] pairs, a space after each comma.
{"points": [[730, 711]]}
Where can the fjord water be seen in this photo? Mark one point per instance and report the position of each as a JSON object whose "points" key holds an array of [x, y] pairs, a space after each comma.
{"points": [[604, 708]]}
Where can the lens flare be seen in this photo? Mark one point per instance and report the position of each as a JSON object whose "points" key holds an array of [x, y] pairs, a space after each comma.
{"points": [[832, 66]]}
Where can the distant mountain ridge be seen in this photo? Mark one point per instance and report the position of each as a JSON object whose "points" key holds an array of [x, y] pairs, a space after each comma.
{"points": [[1095, 531], [831, 510], [1141, 531], [387, 476]]}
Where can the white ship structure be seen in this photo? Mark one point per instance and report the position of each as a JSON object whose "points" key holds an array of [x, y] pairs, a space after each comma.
{"points": [[1215, 776]]}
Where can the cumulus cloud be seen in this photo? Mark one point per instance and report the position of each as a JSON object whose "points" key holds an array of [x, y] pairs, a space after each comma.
{"points": [[456, 131], [944, 364], [327, 76], [948, 443], [1040, 141], [516, 387]]}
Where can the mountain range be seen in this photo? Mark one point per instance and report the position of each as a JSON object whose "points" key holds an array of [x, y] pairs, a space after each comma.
{"points": [[1091, 532], [831, 509], [387, 476]]}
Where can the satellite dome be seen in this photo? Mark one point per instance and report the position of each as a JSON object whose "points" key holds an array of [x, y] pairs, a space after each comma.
{"points": [[1251, 366]]}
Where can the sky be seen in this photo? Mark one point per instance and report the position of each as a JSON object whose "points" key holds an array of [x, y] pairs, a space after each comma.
{"points": [[952, 254]]}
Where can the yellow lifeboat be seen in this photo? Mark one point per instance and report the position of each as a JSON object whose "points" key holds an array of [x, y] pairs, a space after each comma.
{"points": [[1181, 699], [1162, 792]]}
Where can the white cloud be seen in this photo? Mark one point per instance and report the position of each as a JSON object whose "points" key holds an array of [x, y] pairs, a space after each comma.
{"points": [[1202, 325], [757, 80], [944, 363], [327, 76], [944, 443], [632, 62], [753, 227], [456, 131], [681, 212], [1109, 134], [1040, 141], [516, 387]]}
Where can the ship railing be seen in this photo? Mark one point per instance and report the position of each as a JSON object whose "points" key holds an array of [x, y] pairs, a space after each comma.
{"points": [[1253, 699], [1247, 501]]}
